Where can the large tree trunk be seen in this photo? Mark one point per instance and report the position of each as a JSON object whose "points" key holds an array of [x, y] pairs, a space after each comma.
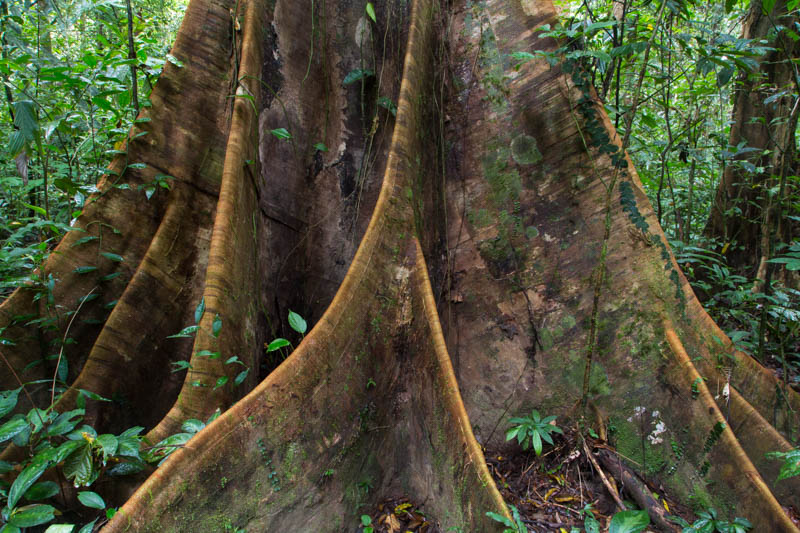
{"points": [[477, 277], [765, 112]]}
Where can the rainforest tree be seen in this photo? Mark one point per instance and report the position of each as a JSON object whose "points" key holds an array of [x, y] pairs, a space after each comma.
{"points": [[459, 224]]}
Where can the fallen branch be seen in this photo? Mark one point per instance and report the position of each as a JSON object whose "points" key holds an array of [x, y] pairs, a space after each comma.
{"points": [[638, 491]]}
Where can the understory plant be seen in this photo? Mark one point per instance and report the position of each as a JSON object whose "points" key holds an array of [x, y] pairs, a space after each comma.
{"points": [[534, 430]]}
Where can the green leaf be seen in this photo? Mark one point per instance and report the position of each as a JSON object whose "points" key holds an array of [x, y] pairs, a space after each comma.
{"points": [[216, 326], [199, 310], [12, 427], [41, 491], [108, 443], [281, 133], [87, 528], [371, 12], [92, 395], [32, 515], [25, 118], [221, 381], [192, 425], [536, 437], [178, 366], [8, 400], [357, 74], [91, 499], [60, 528], [128, 446], [767, 5], [113, 257], [591, 525], [35, 208], [297, 323], [84, 269], [277, 344], [186, 332], [791, 465], [26, 479], [321, 147], [65, 422], [240, 377], [629, 522], [500, 518], [102, 103], [79, 466], [387, 103], [174, 60]]}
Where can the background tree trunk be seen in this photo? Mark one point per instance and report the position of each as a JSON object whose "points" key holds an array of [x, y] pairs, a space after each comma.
{"points": [[764, 122]]}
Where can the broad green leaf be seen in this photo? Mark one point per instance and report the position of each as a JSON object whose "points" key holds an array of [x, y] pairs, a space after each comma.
{"points": [[629, 522], [174, 60], [500, 518], [216, 326], [357, 74], [91, 499], [65, 422], [281, 133], [371, 12], [87, 528], [128, 447], [186, 332], [41, 491], [25, 118], [591, 525], [277, 344], [8, 400], [26, 479], [321, 147], [199, 310], [241, 376], [11, 428], [179, 366], [84, 269], [92, 395], [297, 322], [32, 515], [221, 381], [60, 528], [108, 443], [767, 5], [84, 240], [102, 103], [79, 466], [192, 425], [387, 103], [791, 463], [113, 257]]}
